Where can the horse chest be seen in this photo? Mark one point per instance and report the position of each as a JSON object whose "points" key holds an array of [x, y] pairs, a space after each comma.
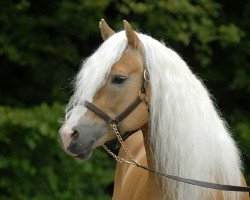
{"points": [[131, 182]]}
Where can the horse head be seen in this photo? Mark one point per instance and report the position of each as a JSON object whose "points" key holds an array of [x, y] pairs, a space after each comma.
{"points": [[84, 129]]}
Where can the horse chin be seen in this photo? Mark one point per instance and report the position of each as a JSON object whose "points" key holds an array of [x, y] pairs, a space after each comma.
{"points": [[85, 155]]}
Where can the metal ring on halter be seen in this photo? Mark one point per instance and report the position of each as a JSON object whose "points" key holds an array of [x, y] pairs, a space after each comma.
{"points": [[146, 76], [143, 96]]}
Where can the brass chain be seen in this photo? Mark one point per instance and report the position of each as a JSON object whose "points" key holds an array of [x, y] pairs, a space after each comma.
{"points": [[117, 158], [114, 128], [131, 160]]}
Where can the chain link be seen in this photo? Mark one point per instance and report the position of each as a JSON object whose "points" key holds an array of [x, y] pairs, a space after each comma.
{"points": [[131, 160], [117, 158]]}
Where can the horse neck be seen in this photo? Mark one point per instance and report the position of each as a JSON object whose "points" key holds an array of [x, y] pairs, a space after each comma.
{"points": [[153, 179], [145, 131]]}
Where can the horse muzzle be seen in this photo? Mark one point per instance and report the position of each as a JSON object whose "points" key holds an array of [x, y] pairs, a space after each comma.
{"points": [[80, 140]]}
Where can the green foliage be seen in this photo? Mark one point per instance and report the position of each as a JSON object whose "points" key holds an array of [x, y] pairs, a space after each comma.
{"points": [[41, 38], [33, 165]]}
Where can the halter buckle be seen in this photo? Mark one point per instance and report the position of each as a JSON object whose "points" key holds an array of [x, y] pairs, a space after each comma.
{"points": [[143, 96]]}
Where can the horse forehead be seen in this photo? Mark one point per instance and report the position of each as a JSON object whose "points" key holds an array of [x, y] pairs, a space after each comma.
{"points": [[129, 62]]}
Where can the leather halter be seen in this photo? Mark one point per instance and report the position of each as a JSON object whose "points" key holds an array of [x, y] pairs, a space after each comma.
{"points": [[117, 120]]}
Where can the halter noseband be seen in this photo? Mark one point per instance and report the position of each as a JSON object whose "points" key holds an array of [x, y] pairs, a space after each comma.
{"points": [[141, 97]]}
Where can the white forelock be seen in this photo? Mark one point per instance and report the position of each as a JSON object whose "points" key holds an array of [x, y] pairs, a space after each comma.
{"points": [[188, 138], [93, 73]]}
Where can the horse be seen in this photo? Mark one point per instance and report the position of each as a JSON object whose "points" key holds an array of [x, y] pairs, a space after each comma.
{"points": [[175, 126]]}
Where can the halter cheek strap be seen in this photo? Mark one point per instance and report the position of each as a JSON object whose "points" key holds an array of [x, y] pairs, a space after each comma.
{"points": [[142, 97]]}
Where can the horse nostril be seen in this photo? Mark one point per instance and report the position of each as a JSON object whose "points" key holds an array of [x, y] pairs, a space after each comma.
{"points": [[74, 134]]}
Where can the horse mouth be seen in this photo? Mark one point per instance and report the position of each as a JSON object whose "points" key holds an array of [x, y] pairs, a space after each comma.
{"points": [[84, 155]]}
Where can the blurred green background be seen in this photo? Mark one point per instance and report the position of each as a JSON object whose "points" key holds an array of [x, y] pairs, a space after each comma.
{"points": [[42, 44]]}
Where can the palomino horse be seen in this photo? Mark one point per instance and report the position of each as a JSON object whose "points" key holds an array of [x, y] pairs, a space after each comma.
{"points": [[181, 133]]}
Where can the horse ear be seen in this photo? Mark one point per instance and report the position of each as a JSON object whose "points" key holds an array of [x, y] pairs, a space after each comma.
{"points": [[106, 31], [133, 39]]}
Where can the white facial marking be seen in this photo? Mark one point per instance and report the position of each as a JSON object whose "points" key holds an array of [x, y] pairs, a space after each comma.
{"points": [[76, 113], [67, 130]]}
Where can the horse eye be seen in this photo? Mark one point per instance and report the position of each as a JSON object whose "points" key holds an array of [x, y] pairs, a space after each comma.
{"points": [[118, 79]]}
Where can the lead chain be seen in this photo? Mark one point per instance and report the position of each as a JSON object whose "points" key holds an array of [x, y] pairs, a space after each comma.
{"points": [[117, 158], [118, 135]]}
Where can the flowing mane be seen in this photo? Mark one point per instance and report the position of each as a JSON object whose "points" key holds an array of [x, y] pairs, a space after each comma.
{"points": [[188, 138]]}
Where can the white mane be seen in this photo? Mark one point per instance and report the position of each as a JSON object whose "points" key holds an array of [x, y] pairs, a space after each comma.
{"points": [[188, 138]]}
